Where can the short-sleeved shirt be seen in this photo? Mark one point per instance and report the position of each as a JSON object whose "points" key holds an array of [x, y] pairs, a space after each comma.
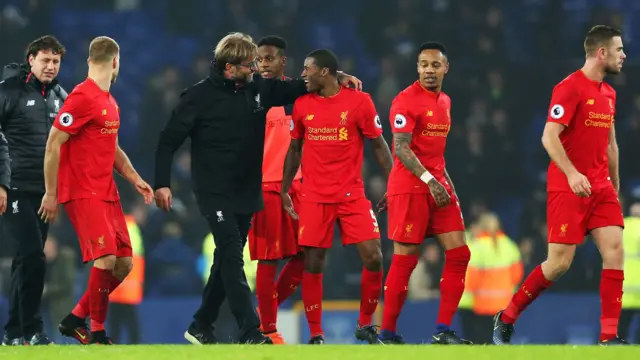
{"points": [[426, 115], [587, 109], [92, 117], [333, 130]]}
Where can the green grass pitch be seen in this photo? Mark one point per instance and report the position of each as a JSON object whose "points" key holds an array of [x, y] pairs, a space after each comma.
{"points": [[325, 352]]}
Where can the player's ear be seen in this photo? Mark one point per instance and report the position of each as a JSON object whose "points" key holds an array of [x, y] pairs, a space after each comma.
{"points": [[284, 60], [88, 60], [446, 67], [114, 63], [32, 60]]}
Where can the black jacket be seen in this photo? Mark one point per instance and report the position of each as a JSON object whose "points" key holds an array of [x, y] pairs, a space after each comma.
{"points": [[227, 127], [27, 111]]}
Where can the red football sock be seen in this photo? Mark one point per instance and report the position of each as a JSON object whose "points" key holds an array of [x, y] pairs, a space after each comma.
{"points": [[100, 282], [611, 302], [395, 289], [266, 296], [289, 278], [312, 300], [452, 283], [82, 308], [532, 287], [370, 286]]}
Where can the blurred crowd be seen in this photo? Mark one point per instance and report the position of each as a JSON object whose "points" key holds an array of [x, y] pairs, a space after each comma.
{"points": [[505, 58]]}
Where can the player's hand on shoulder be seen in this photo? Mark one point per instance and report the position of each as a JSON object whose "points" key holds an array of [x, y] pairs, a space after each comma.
{"points": [[350, 81], [579, 184], [3, 200], [164, 198], [439, 193], [48, 208], [287, 204], [145, 190]]}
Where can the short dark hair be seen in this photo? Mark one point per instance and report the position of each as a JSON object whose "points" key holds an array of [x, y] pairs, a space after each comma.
{"points": [[325, 58], [598, 37], [45, 43], [275, 41], [433, 45]]}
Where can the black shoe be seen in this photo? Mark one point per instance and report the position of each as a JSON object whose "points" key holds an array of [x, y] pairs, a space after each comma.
{"points": [[502, 331], [317, 340], [390, 338], [367, 333], [18, 341], [40, 339], [448, 337], [100, 338], [613, 342], [76, 328], [257, 338], [199, 335]]}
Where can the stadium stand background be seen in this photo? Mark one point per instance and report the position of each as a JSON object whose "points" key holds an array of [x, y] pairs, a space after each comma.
{"points": [[505, 58]]}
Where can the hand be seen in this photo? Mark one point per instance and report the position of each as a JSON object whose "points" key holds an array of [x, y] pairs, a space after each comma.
{"points": [[350, 80], [382, 204], [164, 198], [439, 193], [287, 204], [579, 184], [145, 190], [3, 200], [49, 208]]}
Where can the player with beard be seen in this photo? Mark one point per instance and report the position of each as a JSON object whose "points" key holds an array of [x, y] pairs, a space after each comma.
{"points": [[582, 185], [422, 200], [274, 234], [82, 152]]}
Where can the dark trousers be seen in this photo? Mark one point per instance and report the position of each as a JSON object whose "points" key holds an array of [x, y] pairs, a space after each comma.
{"points": [[624, 326], [227, 277], [27, 234], [124, 317]]}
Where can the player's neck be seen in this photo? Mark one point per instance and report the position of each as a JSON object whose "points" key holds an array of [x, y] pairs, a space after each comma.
{"points": [[101, 77], [331, 89], [593, 71]]}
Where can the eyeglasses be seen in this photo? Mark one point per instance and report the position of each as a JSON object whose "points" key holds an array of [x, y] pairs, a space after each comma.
{"points": [[253, 65]]}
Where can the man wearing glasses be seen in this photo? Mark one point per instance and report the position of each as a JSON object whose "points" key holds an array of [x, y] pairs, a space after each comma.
{"points": [[225, 117]]}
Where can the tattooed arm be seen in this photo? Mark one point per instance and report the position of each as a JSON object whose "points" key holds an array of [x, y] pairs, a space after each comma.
{"points": [[291, 166], [409, 159], [383, 155]]}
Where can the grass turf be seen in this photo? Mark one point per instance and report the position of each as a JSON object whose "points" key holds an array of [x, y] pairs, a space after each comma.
{"points": [[325, 352]]}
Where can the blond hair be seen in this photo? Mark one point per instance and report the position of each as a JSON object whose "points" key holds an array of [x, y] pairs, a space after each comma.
{"points": [[103, 49], [234, 49], [489, 222]]}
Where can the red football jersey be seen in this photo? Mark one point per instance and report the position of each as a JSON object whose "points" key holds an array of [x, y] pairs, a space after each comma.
{"points": [[92, 117], [587, 110], [427, 116], [333, 130]]}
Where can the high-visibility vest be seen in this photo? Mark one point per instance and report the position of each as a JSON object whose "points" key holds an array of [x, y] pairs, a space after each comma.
{"points": [[132, 288], [631, 244], [250, 267], [494, 272]]}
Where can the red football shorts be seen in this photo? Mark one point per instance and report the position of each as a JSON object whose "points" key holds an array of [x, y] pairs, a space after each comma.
{"points": [[415, 217], [274, 234], [101, 228], [570, 217], [356, 220]]}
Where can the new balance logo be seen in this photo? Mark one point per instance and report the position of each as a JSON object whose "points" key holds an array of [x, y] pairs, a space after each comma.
{"points": [[31, 102]]}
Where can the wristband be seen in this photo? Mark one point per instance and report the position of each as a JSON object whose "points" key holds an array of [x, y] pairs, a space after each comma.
{"points": [[426, 177]]}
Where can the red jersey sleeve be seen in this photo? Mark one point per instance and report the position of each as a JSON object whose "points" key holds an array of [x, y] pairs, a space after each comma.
{"points": [[76, 111], [564, 103], [368, 119], [296, 128], [400, 117]]}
